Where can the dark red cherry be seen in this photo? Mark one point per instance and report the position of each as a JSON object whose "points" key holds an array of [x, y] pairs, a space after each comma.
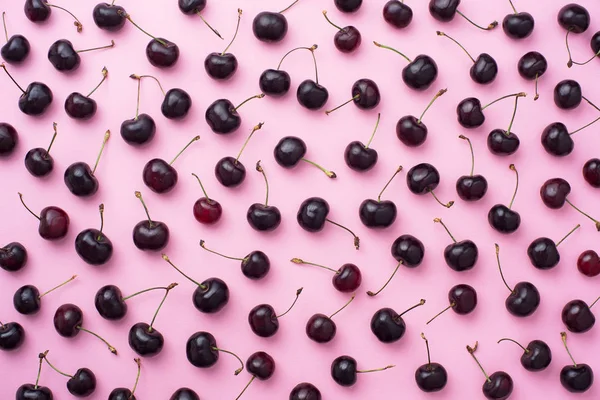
{"points": [[531, 67], [160, 176], [206, 210], [40, 10], [9, 138], [567, 94], [63, 56], [397, 14], [184, 394], [13, 257], [78, 106], [420, 72], [138, 130], [408, 250], [574, 18], [497, 386], [35, 99], [524, 297], [263, 320], [68, 321], [12, 336], [53, 221], [222, 117], [446, 10], [348, 6], [80, 178], [462, 299], [484, 69], [588, 263], [537, 356], [557, 140], [346, 279], [150, 234], [360, 157], [263, 217], [518, 25], [543, 252], [16, 49], [591, 172], [502, 218], [109, 17], [344, 371], [38, 161], [377, 213], [578, 377], [160, 52], [270, 27], [346, 39], [431, 377], [92, 245], [124, 393], [311, 95], [222, 66], [312, 216], [595, 42], [305, 391], [470, 113], [27, 299], [503, 143], [290, 150], [261, 366], [423, 179], [471, 187], [460, 256], [321, 328], [578, 317], [388, 326], [412, 131], [35, 392]]}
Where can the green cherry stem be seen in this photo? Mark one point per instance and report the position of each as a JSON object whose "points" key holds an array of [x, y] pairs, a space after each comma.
{"points": [[439, 221], [311, 49], [104, 76], [374, 131], [356, 238], [57, 287], [245, 387], [168, 260], [137, 378], [453, 304], [171, 286], [520, 94], [128, 17], [488, 28], [77, 23], [37, 380], [27, 208], [110, 347], [298, 292], [567, 235], [4, 24], [515, 342], [437, 95], [563, 336], [512, 120], [419, 304], [101, 210], [388, 183], [111, 45], [260, 169], [11, 77], [584, 214], [44, 356], [144, 291], [241, 368], [202, 187], [571, 62], [328, 20], [512, 200], [427, 346], [513, 6], [55, 127], [439, 33], [139, 196], [104, 141], [299, 261], [392, 49], [139, 78], [373, 294], [237, 28], [216, 32], [195, 139], [472, 153], [203, 245], [500, 268], [256, 128], [288, 7], [585, 126], [472, 351], [367, 371], [258, 96], [345, 305]]}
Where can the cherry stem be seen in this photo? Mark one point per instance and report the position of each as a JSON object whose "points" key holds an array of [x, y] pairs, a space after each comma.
{"points": [[392, 49], [590, 103], [137, 378], [563, 336], [419, 304], [571, 62], [202, 187], [256, 128], [112, 44], [216, 32], [515, 342], [447, 205], [439, 33], [520, 94], [388, 183], [537, 95], [203, 245], [373, 294], [128, 17], [4, 24], [513, 6], [54, 126], [110, 347], [472, 351], [144, 291], [585, 214], [288, 7], [585, 126], [260, 169], [567, 235], [11, 78], [104, 76], [106, 137], [328, 20], [312, 52], [366, 371], [101, 210], [298, 292], [57, 287], [194, 139], [44, 356], [345, 305], [139, 196], [166, 258], [594, 303], [356, 238], [258, 96], [302, 262], [472, 153], [439, 220], [137, 107], [512, 120], [491, 26], [139, 78], [441, 312], [37, 380], [512, 167], [246, 387], [27, 208], [112, 3], [500, 268], [237, 28], [311, 49], [437, 95], [171, 286], [427, 346], [241, 368], [374, 131], [77, 23], [330, 174], [343, 104]]}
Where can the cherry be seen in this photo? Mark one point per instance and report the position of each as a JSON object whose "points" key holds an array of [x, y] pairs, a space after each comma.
{"points": [[470, 112], [596, 49], [12, 336], [109, 16], [595, 43], [184, 394], [408, 251], [146, 340], [210, 296], [543, 252], [588, 263], [504, 142], [111, 304], [263, 217], [34, 392], [229, 171], [256, 265], [346, 279], [36, 99], [518, 25], [377, 213], [149, 234], [576, 378], [38, 161], [362, 158], [16, 49], [202, 352], [484, 69], [40, 10], [320, 328], [291, 150], [13, 257], [431, 377], [310, 94], [312, 216], [365, 95], [260, 365], [305, 391], [160, 52], [503, 219], [263, 320], [92, 245], [524, 297], [222, 117], [420, 73], [176, 102], [412, 131], [80, 179], [344, 370], [81, 384], [574, 18], [462, 299], [191, 7], [471, 187], [397, 14], [446, 10], [460, 256], [348, 6], [531, 67], [536, 357], [206, 210], [68, 321], [140, 129], [63, 56], [346, 39], [591, 172], [271, 27], [222, 66], [388, 326], [27, 300], [497, 386], [567, 94], [554, 193], [275, 82], [578, 317], [557, 140], [423, 179], [160, 176], [54, 221], [9, 139], [124, 393], [83, 107]]}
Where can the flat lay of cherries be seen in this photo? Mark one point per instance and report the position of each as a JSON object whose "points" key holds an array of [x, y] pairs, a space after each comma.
{"points": [[378, 211]]}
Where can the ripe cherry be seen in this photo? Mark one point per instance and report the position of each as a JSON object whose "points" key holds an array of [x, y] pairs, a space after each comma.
{"points": [[537, 356], [362, 158], [53, 221], [206, 210], [271, 27], [377, 213], [38, 161], [420, 73], [578, 317], [17, 47], [346, 279], [484, 69], [365, 95], [412, 131], [81, 384], [195, 7], [78, 106], [148, 234], [124, 393], [13, 257], [346, 39], [554, 193], [202, 352], [27, 300], [505, 142], [462, 299], [543, 252], [460, 256], [64, 58], [446, 10], [140, 129], [397, 14], [256, 265], [222, 66], [344, 370], [263, 217], [34, 100], [497, 386], [424, 179], [229, 171], [588, 263], [503, 219], [321, 328], [223, 118], [388, 326], [276, 82], [591, 172], [263, 320], [518, 25], [80, 178], [431, 377], [471, 187], [291, 150], [531, 67], [576, 378], [109, 17]]}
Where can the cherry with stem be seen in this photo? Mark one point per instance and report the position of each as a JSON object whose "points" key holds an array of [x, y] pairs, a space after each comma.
{"points": [[570, 63], [276, 82]]}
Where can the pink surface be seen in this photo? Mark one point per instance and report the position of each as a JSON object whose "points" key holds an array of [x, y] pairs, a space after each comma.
{"points": [[299, 359]]}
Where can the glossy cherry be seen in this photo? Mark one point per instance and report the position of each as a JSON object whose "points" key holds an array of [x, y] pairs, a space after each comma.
{"points": [[229, 171], [53, 221], [256, 265], [557, 140], [64, 58], [537, 356], [38, 161], [124, 393], [420, 72], [411, 131], [312, 216], [13, 257], [484, 69], [388, 326], [346, 279], [531, 67], [344, 370], [305, 391], [12, 336], [195, 7], [176, 102], [408, 251], [160, 176], [260, 365], [222, 66], [471, 187], [543, 252], [377, 213], [462, 299], [34, 100], [595, 43], [9, 139], [78, 106], [310, 94], [276, 82], [470, 111], [588, 263], [109, 16], [365, 95], [578, 317], [431, 377], [502, 218], [360, 157], [222, 116], [206, 210], [68, 321], [446, 10], [518, 25], [290, 150], [263, 217], [397, 14], [92, 245], [81, 384], [140, 129], [567, 94], [554, 193], [271, 27], [184, 394], [27, 299], [16, 49], [424, 179], [80, 179], [505, 142], [39, 11], [112, 305], [460, 256], [263, 319], [202, 352], [35, 391], [346, 39], [497, 386], [149, 234], [320, 328], [591, 172], [576, 378], [348, 6], [574, 18]]}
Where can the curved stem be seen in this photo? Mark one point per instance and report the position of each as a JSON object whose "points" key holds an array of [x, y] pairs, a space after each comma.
{"points": [[216, 32], [11, 78], [106, 137], [520, 94], [37, 379], [345, 305], [512, 120], [500, 268], [77, 23], [563, 336], [298, 292], [171, 286], [202, 244], [139, 196], [392, 49], [585, 126], [419, 304], [4, 24], [110, 347], [447, 205], [330, 174], [260, 169], [356, 238], [194, 139], [241, 368], [512, 167], [104, 76], [343, 104], [313, 48], [302, 262], [590, 103], [256, 128], [513, 6], [101, 210], [237, 28], [328, 20], [439, 33], [441, 312], [373, 294], [537, 95], [128, 17], [45, 357], [258, 96], [584, 214], [491, 26], [427, 346], [139, 78], [515, 342], [471, 351], [567, 235], [366, 371], [312, 52], [439, 220], [112, 44], [437, 95], [245, 387], [472, 153], [144, 291], [571, 62], [202, 187], [288, 7], [374, 131], [57, 287], [27, 208], [166, 258], [54, 126], [388, 183], [137, 378]]}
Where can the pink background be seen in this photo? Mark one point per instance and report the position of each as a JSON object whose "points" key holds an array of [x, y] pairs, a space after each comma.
{"points": [[299, 359]]}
